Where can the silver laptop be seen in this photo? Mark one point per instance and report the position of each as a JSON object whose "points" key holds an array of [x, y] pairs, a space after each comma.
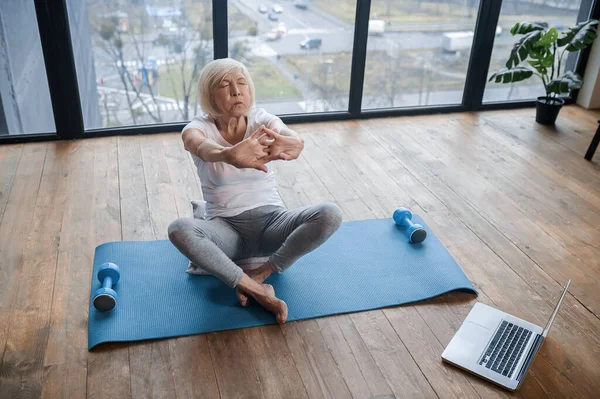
{"points": [[497, 346]]}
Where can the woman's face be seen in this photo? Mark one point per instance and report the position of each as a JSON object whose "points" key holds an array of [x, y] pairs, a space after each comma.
{"points": [[231, 94]]}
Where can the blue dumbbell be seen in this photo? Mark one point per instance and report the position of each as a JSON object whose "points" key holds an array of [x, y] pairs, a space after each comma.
{"points": [[106, 297], [416, 233]]}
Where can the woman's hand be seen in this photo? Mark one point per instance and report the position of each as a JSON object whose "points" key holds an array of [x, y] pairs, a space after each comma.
{"points": [[283, 147], [251, 152]]}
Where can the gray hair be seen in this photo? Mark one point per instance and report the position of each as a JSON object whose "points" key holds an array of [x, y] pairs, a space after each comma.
{"points": [[211, 75]]}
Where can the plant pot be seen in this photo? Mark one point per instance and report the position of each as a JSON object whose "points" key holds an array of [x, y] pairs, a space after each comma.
{"points": [[547, 109]]}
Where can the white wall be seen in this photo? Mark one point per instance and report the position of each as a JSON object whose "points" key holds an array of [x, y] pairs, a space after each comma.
{"points": [[589, 95]]}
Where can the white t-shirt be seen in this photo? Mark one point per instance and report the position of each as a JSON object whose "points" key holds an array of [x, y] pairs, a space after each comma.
{"points": [[227, 190]]}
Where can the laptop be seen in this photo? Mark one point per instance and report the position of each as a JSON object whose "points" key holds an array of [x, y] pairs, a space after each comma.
{"points": [[497, 346]]}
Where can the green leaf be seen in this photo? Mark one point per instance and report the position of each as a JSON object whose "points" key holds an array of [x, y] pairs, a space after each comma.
{"points": [[538, 53], [564, 84], [522, 28], [511, 75], [538, 66], [579, 36], [548, 60], [522, 48], [549, 38]]}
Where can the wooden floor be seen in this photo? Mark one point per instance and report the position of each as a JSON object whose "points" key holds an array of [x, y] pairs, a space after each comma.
{"points": [[515, 203]]}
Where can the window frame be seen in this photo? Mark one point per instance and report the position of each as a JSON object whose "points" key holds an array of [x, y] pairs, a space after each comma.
{"points": [[53, 23]]}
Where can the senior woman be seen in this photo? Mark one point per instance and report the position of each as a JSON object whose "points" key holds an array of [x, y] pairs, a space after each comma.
{"points": [[233, 144]]}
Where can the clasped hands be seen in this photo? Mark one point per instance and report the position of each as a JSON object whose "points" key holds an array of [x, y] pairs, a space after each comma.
{"points": [[263, 146]]}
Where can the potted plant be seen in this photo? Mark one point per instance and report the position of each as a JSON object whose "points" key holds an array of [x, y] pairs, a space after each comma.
{"points": [[540, 52]]}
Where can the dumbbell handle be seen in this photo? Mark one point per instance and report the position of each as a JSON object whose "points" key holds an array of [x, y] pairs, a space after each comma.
{"points": [[107, 282], [407, 222]]}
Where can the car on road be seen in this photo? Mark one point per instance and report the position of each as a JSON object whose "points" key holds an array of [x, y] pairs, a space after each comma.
{"points": [[281, 27], [273, 16], [263, 9], [275, 34], [311, 43], [302, 4], [277, 8]]}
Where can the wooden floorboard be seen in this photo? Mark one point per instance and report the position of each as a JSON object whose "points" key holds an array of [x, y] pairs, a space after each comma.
{"points": [[569, 241], [9, 160], [194, 372], [66, 354], [514, 203], [147, 205], [28, 317], [512, 218], [15, 228], [110, 362]]}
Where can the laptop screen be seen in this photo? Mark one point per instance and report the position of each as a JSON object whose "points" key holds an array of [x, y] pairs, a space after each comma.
{"points": [[549, 324]]}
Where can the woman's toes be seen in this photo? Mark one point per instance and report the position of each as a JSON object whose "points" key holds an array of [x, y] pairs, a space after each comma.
{"points": [[282, 314], [242, 298]]}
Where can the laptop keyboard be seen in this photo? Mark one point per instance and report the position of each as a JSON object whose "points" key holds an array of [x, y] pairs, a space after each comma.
{"points": [[504, 352]]}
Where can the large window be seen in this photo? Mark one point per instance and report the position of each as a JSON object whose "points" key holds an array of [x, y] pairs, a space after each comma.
{"points": [[132, 66], [138, 61], [418, 52], [298, 52], [561, 14], [25, 105]]}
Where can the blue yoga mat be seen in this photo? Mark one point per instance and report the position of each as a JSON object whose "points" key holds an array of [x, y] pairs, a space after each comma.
{"points": [[365, 265]]}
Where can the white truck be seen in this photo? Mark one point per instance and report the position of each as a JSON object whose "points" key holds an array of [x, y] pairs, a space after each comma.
{"points": [[457, 41], [376, 27]]}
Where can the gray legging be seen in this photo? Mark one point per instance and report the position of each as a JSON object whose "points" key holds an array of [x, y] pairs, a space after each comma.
{"points": [[283, 235]]}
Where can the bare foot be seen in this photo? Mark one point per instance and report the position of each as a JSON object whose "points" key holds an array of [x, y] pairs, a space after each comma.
{"points": [[259, 275], [242, 298], [272, 303], [264, 294]]}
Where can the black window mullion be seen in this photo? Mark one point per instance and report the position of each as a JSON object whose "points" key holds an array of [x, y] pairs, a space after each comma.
{"points": [[57, 48], [481, 53], [220, 32], [589, 9], [359, 56], [3, 124]]}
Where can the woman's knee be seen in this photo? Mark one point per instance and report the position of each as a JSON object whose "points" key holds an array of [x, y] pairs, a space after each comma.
{"points": [[180, 229], [331, 216]]}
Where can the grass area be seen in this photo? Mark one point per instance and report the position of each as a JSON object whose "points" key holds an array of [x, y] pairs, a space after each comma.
{"points": [[331, 72], [268, 80], [237, 20], [102, 13], [383, 74], [170, 81], [199, 14], [406, 12], [402, 11]]}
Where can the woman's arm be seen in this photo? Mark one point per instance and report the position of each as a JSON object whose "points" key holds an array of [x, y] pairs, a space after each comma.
{"points": [[280, 127], [249, 153], [207, 150]]}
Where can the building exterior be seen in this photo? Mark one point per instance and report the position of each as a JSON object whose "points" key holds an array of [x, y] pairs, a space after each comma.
{"points": [[25, 105]]}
